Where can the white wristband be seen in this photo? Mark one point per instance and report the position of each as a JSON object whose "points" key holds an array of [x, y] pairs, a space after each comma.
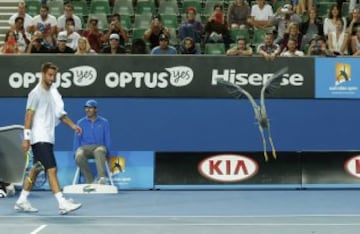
{"points": [[27, 134]]}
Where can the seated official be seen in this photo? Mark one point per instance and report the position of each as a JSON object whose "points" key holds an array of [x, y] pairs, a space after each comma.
{"points": [[94, 142]]}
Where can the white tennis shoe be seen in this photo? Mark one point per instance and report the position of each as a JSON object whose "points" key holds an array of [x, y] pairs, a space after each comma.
{"points": [[68, 206], [25, 206]]}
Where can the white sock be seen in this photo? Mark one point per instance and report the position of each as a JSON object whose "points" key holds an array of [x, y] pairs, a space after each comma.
{"points": [[59, 197], [23, 196]]}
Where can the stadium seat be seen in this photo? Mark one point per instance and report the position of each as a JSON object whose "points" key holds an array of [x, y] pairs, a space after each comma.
{"points": [[56, 8], [214, 48], [168, 8], [173, 37], [80, 8], [123, 8], [138, 33], [323, 8], [208, 8], [33, 7], [145, 7], [108, 172], [258, 36], [99, 7], [236, 33], [142, 21], [170, 21], [126, 22]]}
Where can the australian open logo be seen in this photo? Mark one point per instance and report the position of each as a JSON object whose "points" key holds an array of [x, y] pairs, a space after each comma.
{"points": [[342, 73], [343, 84]]}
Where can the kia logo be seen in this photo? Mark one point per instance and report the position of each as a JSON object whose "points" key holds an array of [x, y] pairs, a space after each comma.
{"points": [[352, 166], [228, 167]]}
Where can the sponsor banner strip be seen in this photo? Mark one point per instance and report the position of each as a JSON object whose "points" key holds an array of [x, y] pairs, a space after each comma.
{"points": [[156, 76]]}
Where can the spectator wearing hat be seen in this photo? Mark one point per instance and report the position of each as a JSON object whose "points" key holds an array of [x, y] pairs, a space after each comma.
{"points": [[240, 49], [61, 47], [188, 46], [94, 142], [191, 27], [94, 35], [163, 47], [156, 29], [114, 45]]}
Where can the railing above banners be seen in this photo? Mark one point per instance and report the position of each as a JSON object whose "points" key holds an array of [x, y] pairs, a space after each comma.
{"points": [[156, 76]]}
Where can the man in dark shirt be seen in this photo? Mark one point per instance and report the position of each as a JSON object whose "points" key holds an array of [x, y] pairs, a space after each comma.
{"points": [[61, 47], [114, 45], [36, 45]]}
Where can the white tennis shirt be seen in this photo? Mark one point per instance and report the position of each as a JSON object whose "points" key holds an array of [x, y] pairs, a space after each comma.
{"points": [[46, 114]]}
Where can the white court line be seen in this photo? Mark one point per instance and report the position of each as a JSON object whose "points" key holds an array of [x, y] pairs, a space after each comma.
{"points": [[37, 230], [186, 216]]}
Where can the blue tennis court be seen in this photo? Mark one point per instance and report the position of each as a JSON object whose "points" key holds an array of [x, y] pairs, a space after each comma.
{"points": [[196, 211]]}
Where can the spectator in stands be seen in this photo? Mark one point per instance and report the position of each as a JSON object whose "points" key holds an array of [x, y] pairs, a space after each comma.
{"points": [[84, 47], [163, 47], [284, 16], [152, 34], [216, 28], [353, 20], [330, 21], [68, 13], [114, 45], [36, 45], [318, 47], [269, 50], [22, 37], [240, 49], [338, 40], [72, 35], [10, 45], [191, 27], [238, 14], [138, 46], [292, 32], [261, 15], [94, 35], [355, 43], [291, 49], [116, 27], [21, 13], [61, 47], [312, 26], [46, 24], [188, 46]]}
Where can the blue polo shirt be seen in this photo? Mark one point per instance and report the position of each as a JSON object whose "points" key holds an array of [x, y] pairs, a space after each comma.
{"points": [[97, 132]]}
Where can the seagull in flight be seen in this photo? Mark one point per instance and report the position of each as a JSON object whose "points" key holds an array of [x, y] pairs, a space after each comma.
{"points": [[269, 87]]}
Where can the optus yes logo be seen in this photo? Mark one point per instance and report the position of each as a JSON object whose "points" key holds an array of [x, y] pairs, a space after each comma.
{"points": [[228, 167]]}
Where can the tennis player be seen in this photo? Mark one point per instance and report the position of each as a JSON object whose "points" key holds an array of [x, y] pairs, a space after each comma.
{"points": [[44, 110]]}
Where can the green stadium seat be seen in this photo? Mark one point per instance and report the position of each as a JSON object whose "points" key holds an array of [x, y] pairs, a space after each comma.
{"points": [[145, 7], [126, 22], [33, 7], [192, 3], [80, 8], [99, 7], [168, 8], [142, 21], [138, 33], [56, 8], [214, 48], [123, 8], [243, 32], [170, 21]]}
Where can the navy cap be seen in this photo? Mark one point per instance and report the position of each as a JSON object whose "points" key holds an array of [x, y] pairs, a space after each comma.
{"points": [[91, 103]]}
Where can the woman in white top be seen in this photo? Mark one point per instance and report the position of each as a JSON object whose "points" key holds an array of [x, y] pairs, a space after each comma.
{"points": [[338, 40], [330, 21], [355, 43]]}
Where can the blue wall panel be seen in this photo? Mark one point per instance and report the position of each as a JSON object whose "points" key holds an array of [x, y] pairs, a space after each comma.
{"points": [[140, 124]]}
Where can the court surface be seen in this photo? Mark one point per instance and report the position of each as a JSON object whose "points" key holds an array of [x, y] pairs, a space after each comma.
{"points": [[197, 211]]}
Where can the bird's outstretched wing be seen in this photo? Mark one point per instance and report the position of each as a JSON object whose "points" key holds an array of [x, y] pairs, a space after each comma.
{"points": [[231, 88], [237, 91], [273, 84]]}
